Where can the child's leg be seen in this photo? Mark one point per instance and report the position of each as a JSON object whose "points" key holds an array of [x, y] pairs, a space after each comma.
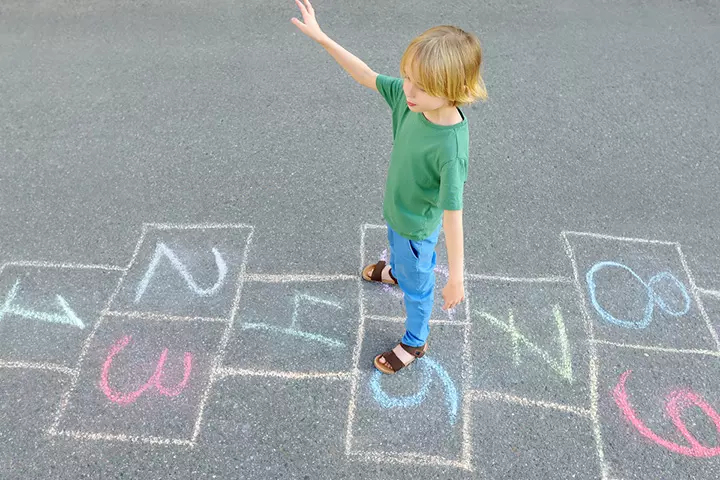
{"points": [[414, 268], [391, 247]]}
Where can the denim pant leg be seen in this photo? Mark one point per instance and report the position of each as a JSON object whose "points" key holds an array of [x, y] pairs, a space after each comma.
{"points": [[414, 267], [391, 244]]}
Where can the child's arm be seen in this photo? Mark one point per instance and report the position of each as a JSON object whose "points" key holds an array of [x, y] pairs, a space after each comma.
{"points": [[357, 69], [454, 291]]}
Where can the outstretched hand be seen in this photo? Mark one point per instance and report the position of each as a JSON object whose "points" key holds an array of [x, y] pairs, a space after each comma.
{"points": [[310, 26]]}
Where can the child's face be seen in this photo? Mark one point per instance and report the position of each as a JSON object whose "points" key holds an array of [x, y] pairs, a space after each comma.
{"points": [[418, 100]]}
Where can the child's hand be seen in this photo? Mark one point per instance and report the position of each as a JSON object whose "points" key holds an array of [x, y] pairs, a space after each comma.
{"points": [[453, 293], [310, 27]]}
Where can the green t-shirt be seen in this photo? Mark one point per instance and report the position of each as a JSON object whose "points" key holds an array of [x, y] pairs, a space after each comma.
{"points": [[428, 166]]}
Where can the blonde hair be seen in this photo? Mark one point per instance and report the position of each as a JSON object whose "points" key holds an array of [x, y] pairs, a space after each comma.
{"points": [[446, 63]]}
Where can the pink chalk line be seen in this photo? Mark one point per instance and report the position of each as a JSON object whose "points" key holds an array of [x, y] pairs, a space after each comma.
{"points": [[676, 402], [154, 382]]}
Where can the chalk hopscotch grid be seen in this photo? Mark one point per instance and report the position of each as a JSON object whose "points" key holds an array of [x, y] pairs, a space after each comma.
{"points": [[472, 395], [696, 294], [220, 354], [405, 457], [163, 317], [229, 371], [482, 395], [53, 430], [51, 367], [165, 227], [696, 291], [592, 351], [593, 342], [356, 350], [469, 396], [684, 351]]}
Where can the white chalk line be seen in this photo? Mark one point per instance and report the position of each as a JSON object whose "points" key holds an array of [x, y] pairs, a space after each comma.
{"points": [[64, 402], [404, 457], [365, 226], [241, 372], [86, 345], [496, 278], [74, 379], [50, 367], [294, 332], [197, 226], [166, 226], [467, 375], [698, 300], [135, 253], [705, 291], [382, 318], [163, 317], [296, 278], [80, 435], [56, 265], [356, 350], [220, 354], [408, 458], [480, 395], [616, 238], [712, 353], [592, 364]]}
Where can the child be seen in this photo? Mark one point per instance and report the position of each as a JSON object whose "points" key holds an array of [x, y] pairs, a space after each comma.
{"points": [[428, 168]]}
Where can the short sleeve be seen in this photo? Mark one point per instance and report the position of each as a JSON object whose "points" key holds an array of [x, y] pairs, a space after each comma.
{"points": [[390, 88], [453, 175]]}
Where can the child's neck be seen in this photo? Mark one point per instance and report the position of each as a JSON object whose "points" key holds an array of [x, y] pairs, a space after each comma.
{"points": [[444, 116]]}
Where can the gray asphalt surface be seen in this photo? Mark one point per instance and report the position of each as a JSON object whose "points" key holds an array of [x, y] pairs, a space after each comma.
{"points": [[124, 124]]}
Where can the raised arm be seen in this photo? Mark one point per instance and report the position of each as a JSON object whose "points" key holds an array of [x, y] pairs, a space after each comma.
{"points": [[357, 69]]}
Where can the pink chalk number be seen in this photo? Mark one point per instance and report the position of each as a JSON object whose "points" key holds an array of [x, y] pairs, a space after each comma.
{"points": [[153, 382], [677, 402]]}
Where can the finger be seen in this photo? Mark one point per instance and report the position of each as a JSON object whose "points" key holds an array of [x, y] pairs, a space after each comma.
{"points": [[301, 6], [309, 7]]}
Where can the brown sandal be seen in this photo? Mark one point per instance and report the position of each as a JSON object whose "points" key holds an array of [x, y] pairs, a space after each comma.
{"points": [[373, 273], [399, 357]]}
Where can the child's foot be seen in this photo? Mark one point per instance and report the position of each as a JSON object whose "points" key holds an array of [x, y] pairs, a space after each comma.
{"points": [[379, 272], [398, 358]]}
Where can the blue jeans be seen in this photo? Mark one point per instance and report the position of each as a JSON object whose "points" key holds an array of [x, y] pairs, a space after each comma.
{"points": [[412, 262]]}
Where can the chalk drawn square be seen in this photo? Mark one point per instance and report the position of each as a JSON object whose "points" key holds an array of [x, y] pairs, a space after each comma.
{"points": [[118, 391], [382, 300], [281, 428], [418, 411], [46, 313], [528, 339], [295, 327], [638, 292], [641, 396], [526, 442], [190, 272]]}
